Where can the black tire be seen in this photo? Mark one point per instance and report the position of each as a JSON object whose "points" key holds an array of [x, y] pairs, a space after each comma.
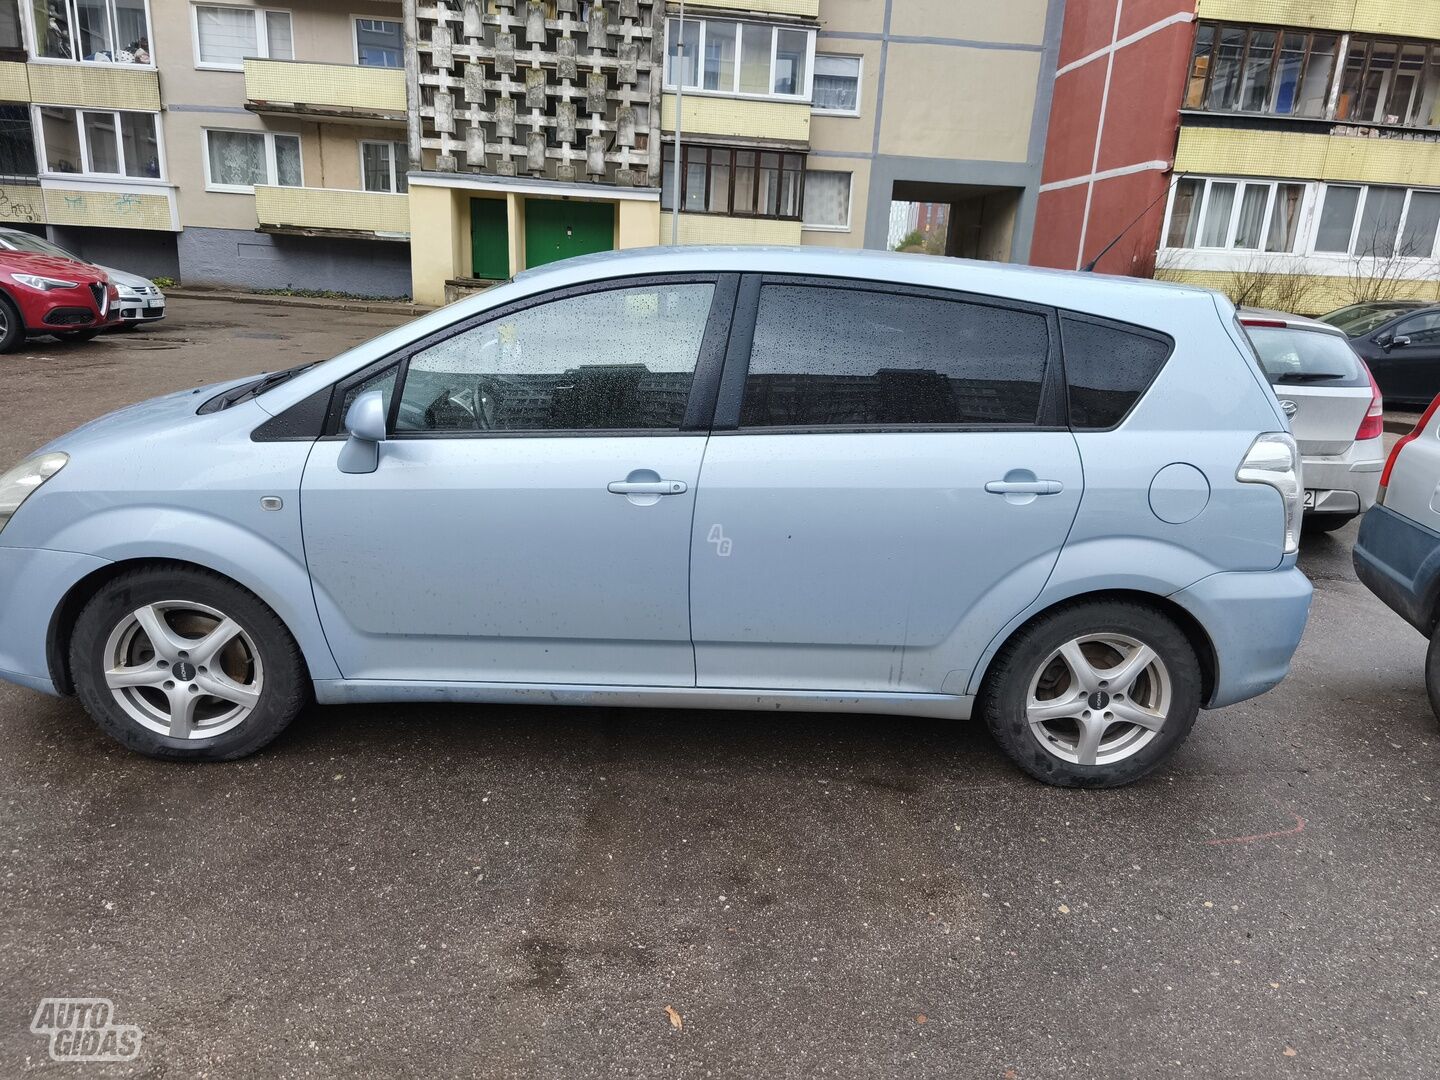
{"points": [[1432, 673], [12, 332], [1325, 523], [75, 337], [283, 691], [1029, 657]]}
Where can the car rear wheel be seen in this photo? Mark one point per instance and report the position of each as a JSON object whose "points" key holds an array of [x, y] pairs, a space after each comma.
{"points": [[179, 663], [1093, 694], [12, 327], [77, 336], [1432, 672]]}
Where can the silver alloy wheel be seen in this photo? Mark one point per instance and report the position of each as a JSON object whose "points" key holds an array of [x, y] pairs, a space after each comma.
{"points": [[183, 669], [1098, 699]]}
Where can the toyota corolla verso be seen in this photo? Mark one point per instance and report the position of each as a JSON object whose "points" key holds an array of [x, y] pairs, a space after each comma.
{"points": [[712, 478]]}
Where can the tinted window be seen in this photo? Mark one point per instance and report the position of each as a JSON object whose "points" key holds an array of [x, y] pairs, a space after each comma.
{"points": [[1360, 319], [615, 360], [850, 357], [1295, 357], [1108, 367], [1421, 330]]}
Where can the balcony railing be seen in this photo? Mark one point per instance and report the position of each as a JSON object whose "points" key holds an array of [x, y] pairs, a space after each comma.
{"points": [[773, 121], [807, 9], [330, 210], [338, 91]]}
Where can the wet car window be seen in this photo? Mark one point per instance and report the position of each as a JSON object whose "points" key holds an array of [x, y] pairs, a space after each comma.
{"points": [[1107, 369], [622, 359], [1291, 356], [1361, 319]]}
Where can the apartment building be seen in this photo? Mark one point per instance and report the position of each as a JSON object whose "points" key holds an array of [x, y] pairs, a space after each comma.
{"points": [[1285, 151], [274, 159]]}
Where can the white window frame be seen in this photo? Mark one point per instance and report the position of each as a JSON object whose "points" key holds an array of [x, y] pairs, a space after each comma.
{"points": [[397, 170], [355, 21], [859, 84], [30, 38], [262, 36], [1304, 238], [42, 156], [1350, 252], [849, 203], [735, 92], [272, 173]]}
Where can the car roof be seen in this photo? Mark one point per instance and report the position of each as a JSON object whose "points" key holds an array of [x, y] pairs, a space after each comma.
{"points": [[1120, 297]]}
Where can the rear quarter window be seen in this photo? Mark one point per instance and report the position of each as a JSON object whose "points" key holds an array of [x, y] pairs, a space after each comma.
{"points": [[1294, 357], [1108, 367]]}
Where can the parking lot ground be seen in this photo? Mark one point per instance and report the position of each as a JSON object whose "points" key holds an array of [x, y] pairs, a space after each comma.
{"points": [[494, 891]]}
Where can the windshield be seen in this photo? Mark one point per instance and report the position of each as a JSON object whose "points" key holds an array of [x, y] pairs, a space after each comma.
{"points": [[1292, 356], [1360, 319], [34, 245]]}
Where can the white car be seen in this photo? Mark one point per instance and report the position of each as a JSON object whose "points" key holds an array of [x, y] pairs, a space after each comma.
{"points": [[141, 300], [1335, 410]]}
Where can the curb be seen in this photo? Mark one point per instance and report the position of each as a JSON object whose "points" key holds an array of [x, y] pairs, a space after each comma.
{"points": [[387, 307]]}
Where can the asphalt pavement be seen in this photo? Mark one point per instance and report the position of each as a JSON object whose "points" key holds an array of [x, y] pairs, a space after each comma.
{"points": [[539, 891]]}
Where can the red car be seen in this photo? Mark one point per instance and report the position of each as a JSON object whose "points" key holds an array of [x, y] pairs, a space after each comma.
{"points": [[44, 294]]}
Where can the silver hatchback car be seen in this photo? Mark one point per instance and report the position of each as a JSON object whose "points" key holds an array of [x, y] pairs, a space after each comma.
{"points": [[788, 479]]}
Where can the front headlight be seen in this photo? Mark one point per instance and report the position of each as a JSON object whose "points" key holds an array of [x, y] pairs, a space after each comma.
{"points": [[17, 485], [44, 284]]}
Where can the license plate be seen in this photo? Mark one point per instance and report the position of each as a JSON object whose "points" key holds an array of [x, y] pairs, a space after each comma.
{"points": [[1309, 503], [154, 304]]}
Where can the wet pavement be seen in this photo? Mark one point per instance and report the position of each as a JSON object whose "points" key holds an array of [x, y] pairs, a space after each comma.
{"points": [[524, 891]]}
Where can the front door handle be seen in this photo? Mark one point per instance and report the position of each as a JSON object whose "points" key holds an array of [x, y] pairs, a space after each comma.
{"points": [[1024, 487], [646, 487]]}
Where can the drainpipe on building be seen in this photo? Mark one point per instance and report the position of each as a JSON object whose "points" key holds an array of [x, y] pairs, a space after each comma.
{"points": [[679, 111], [412, 84]]}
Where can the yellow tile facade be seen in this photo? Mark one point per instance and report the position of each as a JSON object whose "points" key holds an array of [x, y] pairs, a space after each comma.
{"points": [[339, 86], [1322, 293], [740, 118], [715, 229], [1407, 18], [326, 208], [94, 86], [14, 82], [1228, 152], [22, 203], [110, 209], [805, 8]]}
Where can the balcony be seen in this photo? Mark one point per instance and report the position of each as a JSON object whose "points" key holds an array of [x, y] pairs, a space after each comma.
{"points": [[1415, 19], [718, 229], [333, 212], [805, 9], [338, 92], [1230, 152], [89, 86], [781, 123]]}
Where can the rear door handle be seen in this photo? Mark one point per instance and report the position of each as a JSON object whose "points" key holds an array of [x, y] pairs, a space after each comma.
{"points": [[646, 487], [1024, 487]]}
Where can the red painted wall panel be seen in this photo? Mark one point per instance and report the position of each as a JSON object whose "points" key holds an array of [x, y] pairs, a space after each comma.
{"points": [[1139, 14], [1074, 121], [1087, 27], [1143, 110], [1118, 202], [1057, 227]]}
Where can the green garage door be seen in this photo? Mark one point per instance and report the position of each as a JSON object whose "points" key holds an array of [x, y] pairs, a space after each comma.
{"points": [[556, 230]]}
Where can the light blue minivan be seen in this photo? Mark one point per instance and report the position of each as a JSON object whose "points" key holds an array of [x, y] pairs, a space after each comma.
{"points": [[712, 478]]}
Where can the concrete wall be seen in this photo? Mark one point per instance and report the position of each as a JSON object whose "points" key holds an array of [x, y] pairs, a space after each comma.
{"points": [[146, 253], [246, 259]]}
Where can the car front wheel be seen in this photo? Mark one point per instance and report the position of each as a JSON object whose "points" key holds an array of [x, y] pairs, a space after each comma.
{"points": [[176, 662], [1093, 694]]}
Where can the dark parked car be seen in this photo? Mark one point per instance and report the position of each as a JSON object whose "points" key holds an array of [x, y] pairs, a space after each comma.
{"points": [[1400, 341]]}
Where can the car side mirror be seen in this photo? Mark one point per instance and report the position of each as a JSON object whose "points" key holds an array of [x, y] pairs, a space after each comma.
{"points": [[366, 423], [1399, 341]]}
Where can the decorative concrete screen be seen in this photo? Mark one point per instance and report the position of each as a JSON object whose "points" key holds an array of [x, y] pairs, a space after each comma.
{"points": [[526, 88]]}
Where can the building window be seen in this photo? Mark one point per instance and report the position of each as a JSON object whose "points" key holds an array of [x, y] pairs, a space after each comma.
{"points": [[100, 31], [96, 142], [1378, 222], [239, 160], [827, 200], [1239, 215], [226, 36], [1390, 82], [12, 37], [382, 166], [17, 142], [378, 43], [837, 85], [740, 59], [737, 183]]}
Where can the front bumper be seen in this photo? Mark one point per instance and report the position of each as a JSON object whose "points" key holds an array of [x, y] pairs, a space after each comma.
{"points": [[60, 309], [1254, 621], [136, 309], [1399, 561], [33, 581], [1344, 483]]}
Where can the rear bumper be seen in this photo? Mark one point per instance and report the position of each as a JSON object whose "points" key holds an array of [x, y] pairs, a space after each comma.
{"points": [[1345, 483], [1254, 621], [33, 581], [1399, 561]]}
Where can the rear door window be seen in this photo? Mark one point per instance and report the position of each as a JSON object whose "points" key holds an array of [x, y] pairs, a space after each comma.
{"points": [[1290, 356], [1108, 367], [832, 356]]}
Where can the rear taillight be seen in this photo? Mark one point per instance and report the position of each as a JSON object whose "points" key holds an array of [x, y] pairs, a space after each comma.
{"points": [[1373, 426], [1274, 460], [1400, 444]]}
